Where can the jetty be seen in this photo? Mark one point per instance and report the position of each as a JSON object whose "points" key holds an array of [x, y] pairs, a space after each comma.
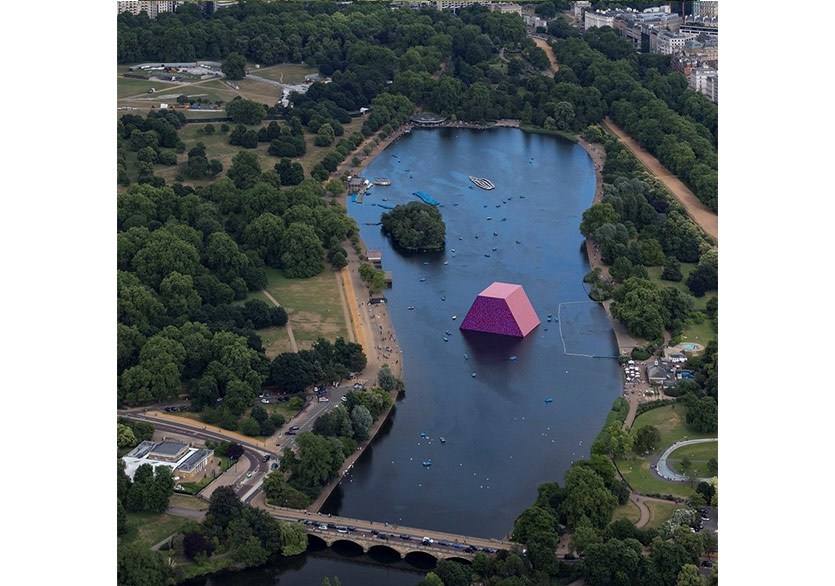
{"points": [[482, 183], [426, 197]]}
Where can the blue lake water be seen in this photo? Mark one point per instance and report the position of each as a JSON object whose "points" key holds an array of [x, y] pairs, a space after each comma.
{"points": [[502, 438]]}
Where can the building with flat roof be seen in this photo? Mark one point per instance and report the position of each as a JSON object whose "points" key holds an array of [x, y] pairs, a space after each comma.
{"points": [[187, 463], [669, 42], [599, 18], [705, 80], [153, 9]]}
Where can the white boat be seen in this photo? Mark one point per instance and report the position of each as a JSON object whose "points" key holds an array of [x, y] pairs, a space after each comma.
{"points": [[483, 183]]}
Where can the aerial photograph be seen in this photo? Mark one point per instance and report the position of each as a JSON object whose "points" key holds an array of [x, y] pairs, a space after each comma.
{"points": [[418, 293]]}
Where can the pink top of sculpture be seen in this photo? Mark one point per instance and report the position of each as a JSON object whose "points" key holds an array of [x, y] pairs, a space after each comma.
{"points": [[502, 308]]}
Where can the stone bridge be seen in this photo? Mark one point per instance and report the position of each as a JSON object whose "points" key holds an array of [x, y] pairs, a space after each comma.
{"points": [[365, 535]]}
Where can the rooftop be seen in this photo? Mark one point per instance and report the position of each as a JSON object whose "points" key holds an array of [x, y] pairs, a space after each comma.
{"points": [[501, 290], [168, 448], [193, 460]]}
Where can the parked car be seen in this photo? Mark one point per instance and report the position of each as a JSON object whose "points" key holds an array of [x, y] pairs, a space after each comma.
{"points": [[290, 433], [266, 458], [324, 399], [265, 401], [294, 428]]}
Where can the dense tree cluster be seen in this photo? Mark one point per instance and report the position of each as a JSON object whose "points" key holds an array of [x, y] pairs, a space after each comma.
{"points": [[415, 226], [645, 101], [324, 362], [150, 489]]}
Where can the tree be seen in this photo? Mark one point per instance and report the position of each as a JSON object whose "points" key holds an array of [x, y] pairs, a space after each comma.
{"points": [[325, 136], [282, 494], [335, 187], [291, 172], [243, 111], [121, 518], [303, 254], [294, 541], [452, 573], [689, 576], [195, 544], [587, 499], [386, 379], [712, 467], [245, 170], [361, 421], [415, 226], [137, 565], [672, 270], [234, 67], [646, 439], [614, 563], [583, 538], [224, 505], [125, 437], [596, 216]]}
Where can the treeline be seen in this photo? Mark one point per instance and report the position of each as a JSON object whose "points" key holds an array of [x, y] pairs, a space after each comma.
{"points": [[185, 255], [684, 144], [415, 226], [613, 551], [233, 534], [321, 453], [637, 225]]}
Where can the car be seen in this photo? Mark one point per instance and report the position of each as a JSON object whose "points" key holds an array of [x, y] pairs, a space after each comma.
{"points": [[342, 530], [489, 550], [294, 428], [383, 536], [249, 474], [444, 542], [457, 546], [266, 458], [324, 399], [261, 395], [344, 399], [707, 564], [290, 433], [302, 521], [351, 528], [273, 466], [323, 527], [404, 536], [428, 541], [331, 525], [265, 401], [469, 549], [268, 394]]}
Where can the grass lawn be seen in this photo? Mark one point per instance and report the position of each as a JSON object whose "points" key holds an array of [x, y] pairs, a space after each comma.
{"points": [[699, 455], [701, 333], [660, 512], [126, 86], [188, 502], [313, 305], [275, 340], [260, 91], [289, 73], [282, 408], [637, 473], [686, 269], [628, 511], [670, 421], [149, 529]]}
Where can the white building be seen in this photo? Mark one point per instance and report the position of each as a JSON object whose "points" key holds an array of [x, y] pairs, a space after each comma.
{"points": [[506, 7], [599, 19], [534, 21], [669, 43], [151, 8], [706, 9], [580, 7], [456, 4], [185, 462], [706, 81]]}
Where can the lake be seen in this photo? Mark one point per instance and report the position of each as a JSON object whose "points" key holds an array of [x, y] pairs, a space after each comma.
{"points": [[502, 439]]}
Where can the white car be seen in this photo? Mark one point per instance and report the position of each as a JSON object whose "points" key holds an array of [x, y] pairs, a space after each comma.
{"points": [[344, 399], [265, 401], [323, 399]]}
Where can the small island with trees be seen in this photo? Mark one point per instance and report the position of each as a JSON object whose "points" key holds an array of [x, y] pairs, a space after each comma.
{"points": [[415, 227]]}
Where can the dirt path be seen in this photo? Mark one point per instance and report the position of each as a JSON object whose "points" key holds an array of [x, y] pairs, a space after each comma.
{"points": [[340, 285], [645, 514], [542, 44], [289, 325], [706, 219]]}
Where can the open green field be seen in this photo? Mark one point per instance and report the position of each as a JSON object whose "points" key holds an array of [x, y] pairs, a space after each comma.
{"points": [[259, 90], [313, 305], [660, 512], [126, 86], [628, 511], [671, 423], [282, 408], [275, 340], [149, 529], [188, 502], [289, 73], [637, 473], [699, 455], [686, 269]]}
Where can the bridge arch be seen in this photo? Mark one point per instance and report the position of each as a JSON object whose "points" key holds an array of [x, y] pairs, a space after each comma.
{"points": [[384, 551], [460, 560], [348, 547], [316, 542], [421, 559]]}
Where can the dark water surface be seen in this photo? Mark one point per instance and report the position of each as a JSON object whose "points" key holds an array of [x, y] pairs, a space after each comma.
{"points": [[502, 438]]}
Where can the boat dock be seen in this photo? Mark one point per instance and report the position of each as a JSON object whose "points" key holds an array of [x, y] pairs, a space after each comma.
{"points": [[426, 197]]}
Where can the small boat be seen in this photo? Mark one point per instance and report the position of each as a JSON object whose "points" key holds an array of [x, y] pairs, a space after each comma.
{"points": [[517, 242], [512, 358], [446, 339], [448, 333], [423, 434], [411, 307], [443, 297], [473, 375], [382, 181], [498, 205], [549, 319], [426, 262], [454, 317], [443, 441], [549, 400], [495, 249], [489, 218], [427, 463], [422, 279], [546, 329], [487, 255], [504, 219], [466, 356], [446, 262], [495, 233], [460, 238], [522, 196], [482, 183]]}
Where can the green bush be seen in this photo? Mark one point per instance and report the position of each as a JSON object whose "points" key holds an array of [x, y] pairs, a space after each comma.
{"points": [[640, 353]]}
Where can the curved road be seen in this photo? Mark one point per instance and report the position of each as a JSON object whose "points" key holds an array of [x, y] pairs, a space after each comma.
{"points": [[666, 472]]}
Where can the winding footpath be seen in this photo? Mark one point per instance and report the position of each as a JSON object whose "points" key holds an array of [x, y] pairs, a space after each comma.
{"points": [[293, 344], [668, 473]]}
